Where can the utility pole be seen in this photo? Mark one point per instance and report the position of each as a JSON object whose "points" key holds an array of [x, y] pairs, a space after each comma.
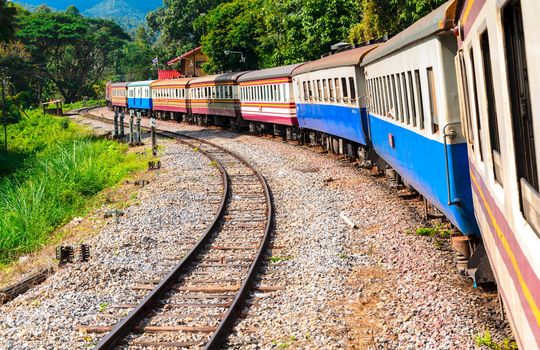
{"points": [[5, 81]]}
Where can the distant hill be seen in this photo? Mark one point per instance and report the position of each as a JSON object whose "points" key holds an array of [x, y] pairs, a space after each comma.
{"points": [[128, 13]]}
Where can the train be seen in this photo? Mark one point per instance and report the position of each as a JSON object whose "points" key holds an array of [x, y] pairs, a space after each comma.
{"points": [[444, 109]]}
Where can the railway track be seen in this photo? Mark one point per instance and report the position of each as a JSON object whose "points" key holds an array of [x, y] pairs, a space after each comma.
{"points": [[196, 303]]}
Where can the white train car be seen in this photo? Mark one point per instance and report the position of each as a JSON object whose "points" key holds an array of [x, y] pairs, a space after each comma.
{"points": [[499, 83]]}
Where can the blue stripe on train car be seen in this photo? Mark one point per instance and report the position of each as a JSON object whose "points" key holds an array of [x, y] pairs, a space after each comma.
{"points": [[140, 103], [421, 162], [346, 122]]}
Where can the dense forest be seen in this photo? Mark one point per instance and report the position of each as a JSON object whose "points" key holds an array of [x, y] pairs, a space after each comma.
{"points": [[63, 54]]}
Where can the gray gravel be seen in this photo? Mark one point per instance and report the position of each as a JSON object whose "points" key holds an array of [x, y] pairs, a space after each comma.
{"points": [[377, 287]]}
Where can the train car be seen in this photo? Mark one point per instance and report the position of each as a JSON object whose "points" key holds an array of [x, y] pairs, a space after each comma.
{"points": [[140, 96], [330, 98], [499, 84], [119, 94], [267, 97], [414, 116], [108, 97], [170, 98], [215, 96]]}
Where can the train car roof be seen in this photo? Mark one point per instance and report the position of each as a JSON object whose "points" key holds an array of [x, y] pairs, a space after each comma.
{"points": [[171, 82], [269, 73], [218, 78], [340, 59], [439, 20], [120, 84], [141, 83]]}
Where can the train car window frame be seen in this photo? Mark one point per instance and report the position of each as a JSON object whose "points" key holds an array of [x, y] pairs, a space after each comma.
{"points": [[419, 99], [381, 96], [522, 118], [331, 88], [400, 98], [407, 110], [352, 88], [394, 98], [344, 89], [474, 101], [325, 89], [385, 95], [338, 89], [433, 105]]}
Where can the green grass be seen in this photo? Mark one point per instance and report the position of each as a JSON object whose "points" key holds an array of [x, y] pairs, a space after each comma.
{"points": [[485, 341], [62, 168]]}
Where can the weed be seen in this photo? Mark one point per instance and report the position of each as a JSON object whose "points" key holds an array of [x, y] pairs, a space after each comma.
{"points": [[438, 230], [195, 149], [277, 259], [103, 307], [214, 163], [438, 244], [486, 340], [343, 256]]}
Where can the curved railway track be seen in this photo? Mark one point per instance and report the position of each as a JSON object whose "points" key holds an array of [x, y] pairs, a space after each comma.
{"points": [[209, 285]]}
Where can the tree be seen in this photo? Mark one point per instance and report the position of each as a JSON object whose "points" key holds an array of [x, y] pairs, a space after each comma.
{"points": [[136, 57], [174, 21], [7, 20], [381, 17], [69, 50], [272, 33]]}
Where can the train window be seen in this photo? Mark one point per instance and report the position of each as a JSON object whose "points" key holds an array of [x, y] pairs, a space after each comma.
{"points": [[310, 90], [379, 95], [344, 89], [319, 89], [287, 92], [338, 90], [433, 101], [400, 98], [476, 108], [419, 98], [305, 90], [520, 107], [407, 110], [352, 88], [331, 89], [325, 89], [394, 96], [389, 97]]}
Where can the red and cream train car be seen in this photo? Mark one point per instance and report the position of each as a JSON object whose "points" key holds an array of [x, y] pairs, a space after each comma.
{"points": [[215, 96], [171, 97], [266, 96], [499, 83]]}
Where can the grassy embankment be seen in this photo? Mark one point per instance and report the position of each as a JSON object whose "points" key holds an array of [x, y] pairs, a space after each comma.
{"points": [[53, 168]]}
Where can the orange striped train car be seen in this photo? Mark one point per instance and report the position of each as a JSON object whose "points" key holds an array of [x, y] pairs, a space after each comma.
{"points": [[119, 94], [171, 97]]}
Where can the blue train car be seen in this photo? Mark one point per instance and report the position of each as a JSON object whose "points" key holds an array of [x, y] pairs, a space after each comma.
{"points": [[414, 115], [140, 95], [330, 95]]}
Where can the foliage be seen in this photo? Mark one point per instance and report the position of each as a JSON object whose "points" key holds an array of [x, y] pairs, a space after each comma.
{"points": [[58, 179], [7, 20], [174, 21], [137, 55], [486, 340], [69, 50], [380, 17], [271, 33]]}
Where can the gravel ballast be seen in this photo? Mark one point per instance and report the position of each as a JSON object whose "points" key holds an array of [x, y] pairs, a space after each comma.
{"points": [[376, 287]]}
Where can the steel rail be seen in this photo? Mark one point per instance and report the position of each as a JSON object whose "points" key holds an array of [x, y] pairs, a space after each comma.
{"points": [[219, 336]]}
